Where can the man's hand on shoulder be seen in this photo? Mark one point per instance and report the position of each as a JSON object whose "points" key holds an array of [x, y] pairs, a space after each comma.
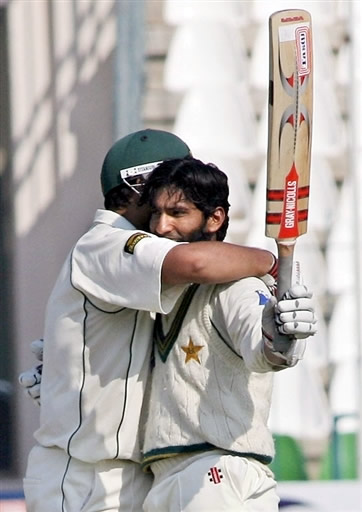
{"points": [[30, 380]]}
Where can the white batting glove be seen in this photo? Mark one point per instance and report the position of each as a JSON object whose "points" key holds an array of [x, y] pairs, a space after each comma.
{"points": [[292, 316], [37, 347], [30, 380], [295, 313]]}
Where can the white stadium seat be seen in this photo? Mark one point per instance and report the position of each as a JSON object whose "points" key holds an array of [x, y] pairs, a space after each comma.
{"points": [[176, 12], [219, 118], [300, 392], [340, 258], [203, 52]]}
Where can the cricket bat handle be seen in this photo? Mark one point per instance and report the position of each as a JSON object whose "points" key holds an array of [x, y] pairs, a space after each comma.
{"points": [[281, 342]]}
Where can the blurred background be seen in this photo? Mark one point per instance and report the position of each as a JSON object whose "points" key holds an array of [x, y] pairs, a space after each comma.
{"points": [[78, 74]]}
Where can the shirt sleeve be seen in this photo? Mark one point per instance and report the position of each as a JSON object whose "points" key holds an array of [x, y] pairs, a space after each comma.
{"points": [[122, 268], [237, 312]]}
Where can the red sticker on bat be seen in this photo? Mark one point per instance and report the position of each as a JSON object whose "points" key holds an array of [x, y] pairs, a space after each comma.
{"points": [[289, 224]]}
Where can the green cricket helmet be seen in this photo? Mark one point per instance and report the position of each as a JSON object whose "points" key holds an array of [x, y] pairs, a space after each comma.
{"points": [[131, 158]]}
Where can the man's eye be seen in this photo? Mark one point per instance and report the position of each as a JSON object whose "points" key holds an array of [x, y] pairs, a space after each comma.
{"points": [[178, 213]]}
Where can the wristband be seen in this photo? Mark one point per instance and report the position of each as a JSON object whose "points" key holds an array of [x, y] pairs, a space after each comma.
{"points": [[274, 268]]}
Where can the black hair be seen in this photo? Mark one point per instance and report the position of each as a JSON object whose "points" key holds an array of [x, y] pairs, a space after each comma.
{"points": [[205, 185], [118, 197]]}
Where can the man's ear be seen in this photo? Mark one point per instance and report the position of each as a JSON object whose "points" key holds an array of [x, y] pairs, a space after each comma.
{"points": [[215, 220]]}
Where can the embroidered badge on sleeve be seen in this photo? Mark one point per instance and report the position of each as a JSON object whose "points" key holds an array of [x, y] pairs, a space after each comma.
{"points": [[133, 241]]}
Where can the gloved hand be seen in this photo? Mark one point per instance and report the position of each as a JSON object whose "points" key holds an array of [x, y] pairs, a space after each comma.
{"points": [[295, 313], [37, 347], [293, 316], [30, 380]]}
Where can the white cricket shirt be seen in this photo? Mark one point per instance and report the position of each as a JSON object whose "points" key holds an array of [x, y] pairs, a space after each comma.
{"points": [[211, 385], [97, 349]]}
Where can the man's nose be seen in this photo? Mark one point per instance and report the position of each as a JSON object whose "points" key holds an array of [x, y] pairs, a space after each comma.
{"points": [[163, 225]]}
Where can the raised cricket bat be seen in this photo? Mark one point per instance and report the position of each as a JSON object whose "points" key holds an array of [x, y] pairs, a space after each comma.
{"points": [[289, 138]]}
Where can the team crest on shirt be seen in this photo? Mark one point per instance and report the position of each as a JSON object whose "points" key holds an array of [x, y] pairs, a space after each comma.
{"points": [[133, 241], [263, 299], [192, 352]]}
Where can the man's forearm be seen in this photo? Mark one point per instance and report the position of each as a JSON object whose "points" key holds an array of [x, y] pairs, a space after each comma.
{"points": [[214, 262]]}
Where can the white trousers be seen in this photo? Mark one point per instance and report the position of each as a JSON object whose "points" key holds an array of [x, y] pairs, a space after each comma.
{"points": [[58, 483], [212, 482]]}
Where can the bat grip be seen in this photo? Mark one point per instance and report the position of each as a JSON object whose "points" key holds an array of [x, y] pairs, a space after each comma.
{"points": [[285, 267], [281, 342]]}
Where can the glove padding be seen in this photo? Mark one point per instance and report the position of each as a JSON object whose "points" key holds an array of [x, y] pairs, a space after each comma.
{"points": [[30, 380], [292, 316], [295, 314]]}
